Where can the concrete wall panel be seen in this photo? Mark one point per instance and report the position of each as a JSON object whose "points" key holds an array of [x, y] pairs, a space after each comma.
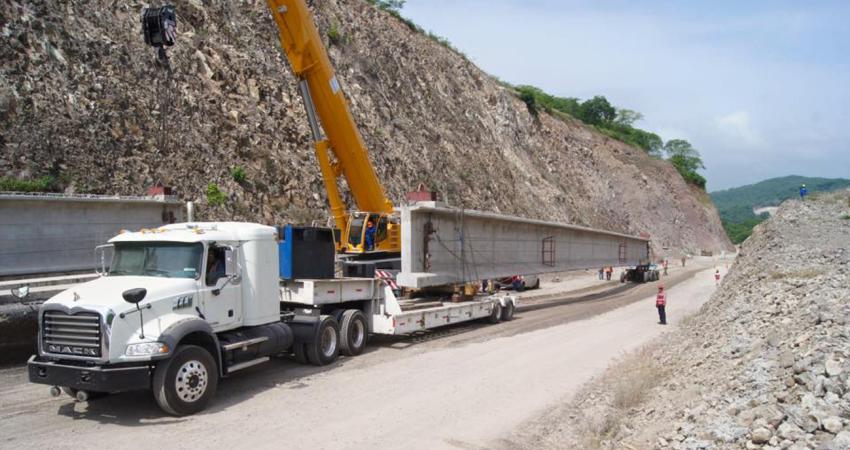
{"points": [[42, 234]]}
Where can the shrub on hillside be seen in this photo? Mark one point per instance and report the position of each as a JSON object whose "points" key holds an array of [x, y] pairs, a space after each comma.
{"points": [[43, 184], [215, 196]]}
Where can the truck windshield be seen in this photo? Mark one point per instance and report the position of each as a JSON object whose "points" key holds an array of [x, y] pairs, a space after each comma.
{"points": [[355, 230], [157, 259]]}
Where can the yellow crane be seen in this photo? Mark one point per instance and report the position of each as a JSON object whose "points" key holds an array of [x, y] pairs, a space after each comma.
{"points": [[340, 150]]}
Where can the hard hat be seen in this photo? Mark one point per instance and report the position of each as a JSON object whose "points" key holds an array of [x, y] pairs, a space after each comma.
{"points": [[804, 184]]}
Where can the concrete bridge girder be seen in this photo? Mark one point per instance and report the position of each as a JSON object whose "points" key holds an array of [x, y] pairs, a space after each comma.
{"points": [[445, 246]]}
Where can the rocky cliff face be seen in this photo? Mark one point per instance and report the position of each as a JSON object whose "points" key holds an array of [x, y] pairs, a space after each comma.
{"points": [[81, 98]]}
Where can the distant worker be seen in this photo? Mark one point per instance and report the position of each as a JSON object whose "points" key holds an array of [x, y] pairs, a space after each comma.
{"points": [[803, 192], [717, 277], [601, 273], [684, 258], [370, 236], [517, 283], [664, 264], [661, 304], [608, 271]]}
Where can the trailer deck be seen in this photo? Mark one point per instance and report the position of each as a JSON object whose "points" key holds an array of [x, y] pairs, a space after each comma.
{"points": [[387, 313]]}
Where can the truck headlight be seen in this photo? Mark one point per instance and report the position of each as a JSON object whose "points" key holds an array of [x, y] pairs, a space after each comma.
{"points": [[146, 349]]}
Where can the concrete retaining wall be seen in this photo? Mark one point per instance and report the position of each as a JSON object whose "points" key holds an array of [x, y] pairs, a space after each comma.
{"points": [[48, 233]]}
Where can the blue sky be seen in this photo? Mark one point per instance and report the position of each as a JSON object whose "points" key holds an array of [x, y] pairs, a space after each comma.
{"points": [[761, 88]]}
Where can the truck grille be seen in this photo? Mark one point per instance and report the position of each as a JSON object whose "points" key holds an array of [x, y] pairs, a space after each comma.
{"points": [[71, 334]]}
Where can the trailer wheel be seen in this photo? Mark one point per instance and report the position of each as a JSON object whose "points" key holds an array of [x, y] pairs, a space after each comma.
{"points": [[325, 346], [508, 311], [354, 332], [185, 383], [495, 313]]}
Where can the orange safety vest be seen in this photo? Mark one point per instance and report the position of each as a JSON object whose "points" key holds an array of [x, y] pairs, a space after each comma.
{"points": [[661, 299]]}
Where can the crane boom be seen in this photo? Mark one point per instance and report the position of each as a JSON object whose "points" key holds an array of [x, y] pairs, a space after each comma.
{"points": [[327, 108]]}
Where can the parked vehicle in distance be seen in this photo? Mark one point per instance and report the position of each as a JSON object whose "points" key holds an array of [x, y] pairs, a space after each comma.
{"points": [[528, 282]]}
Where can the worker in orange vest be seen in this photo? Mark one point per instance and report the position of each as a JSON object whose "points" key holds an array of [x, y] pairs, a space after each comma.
{"points": [[660, 303]]}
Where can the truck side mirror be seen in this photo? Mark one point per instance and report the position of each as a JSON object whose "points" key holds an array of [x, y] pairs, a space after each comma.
{"points": [[134, 296], [230, 266]]}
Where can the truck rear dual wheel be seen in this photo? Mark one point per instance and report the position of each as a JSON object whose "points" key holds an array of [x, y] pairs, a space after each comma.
{"points": [[185, 383], [353, 331], [325, 346]]}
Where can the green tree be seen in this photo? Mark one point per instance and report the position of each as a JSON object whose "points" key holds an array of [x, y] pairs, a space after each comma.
{"points": [[627, 117], [686, 159], [650, 142], [528, 97], [597, 111]]}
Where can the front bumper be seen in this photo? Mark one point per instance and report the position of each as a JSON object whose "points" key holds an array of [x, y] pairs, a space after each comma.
{"points": [[89, 378]]}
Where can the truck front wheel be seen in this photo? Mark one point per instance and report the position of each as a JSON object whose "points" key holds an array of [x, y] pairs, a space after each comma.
{"points": [[185, 383]]}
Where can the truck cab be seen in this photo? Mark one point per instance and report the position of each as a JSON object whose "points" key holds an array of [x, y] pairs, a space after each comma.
{"points": [[199, 287]]}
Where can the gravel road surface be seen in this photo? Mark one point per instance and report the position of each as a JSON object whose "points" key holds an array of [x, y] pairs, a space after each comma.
{"points": [[466, 386]]}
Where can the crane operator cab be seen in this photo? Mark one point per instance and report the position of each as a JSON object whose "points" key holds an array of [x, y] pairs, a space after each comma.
{"points": [[372, 233]]}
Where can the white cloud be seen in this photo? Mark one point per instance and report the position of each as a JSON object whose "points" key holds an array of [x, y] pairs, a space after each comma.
{"points": [[736, 127]]}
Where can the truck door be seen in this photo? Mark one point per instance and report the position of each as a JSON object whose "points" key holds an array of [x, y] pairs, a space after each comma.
{"points": [[221, 291]]}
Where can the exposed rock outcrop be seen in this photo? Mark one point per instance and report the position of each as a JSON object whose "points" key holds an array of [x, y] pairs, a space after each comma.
{"points": [[82, 99]]}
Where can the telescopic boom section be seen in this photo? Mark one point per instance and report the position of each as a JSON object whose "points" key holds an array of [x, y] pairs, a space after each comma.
{"points": [[324, 98]]}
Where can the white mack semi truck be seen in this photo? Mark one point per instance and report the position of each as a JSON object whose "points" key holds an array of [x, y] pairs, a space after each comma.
{"points": [[181, 306]]}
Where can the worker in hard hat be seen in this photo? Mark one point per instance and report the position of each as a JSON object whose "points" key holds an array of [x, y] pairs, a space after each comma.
{"points": [[803, 191], [370, 235], [661, 304]]}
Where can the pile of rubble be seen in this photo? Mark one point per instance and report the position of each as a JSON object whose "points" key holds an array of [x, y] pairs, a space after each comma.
{"points": [[764, 364]]}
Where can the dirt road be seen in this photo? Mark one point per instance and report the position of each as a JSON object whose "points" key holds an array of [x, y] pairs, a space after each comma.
{"points": [[463, 387]]}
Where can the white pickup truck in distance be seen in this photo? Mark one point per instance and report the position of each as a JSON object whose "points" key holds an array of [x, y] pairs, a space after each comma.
{"points": [[183, 305]]}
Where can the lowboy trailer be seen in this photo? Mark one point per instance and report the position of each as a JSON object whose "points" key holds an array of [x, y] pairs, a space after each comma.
{"points": [[181, 306]]}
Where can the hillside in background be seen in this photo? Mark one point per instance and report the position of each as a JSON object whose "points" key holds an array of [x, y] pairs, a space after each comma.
{"points": [[84, 103], [736, 205]]}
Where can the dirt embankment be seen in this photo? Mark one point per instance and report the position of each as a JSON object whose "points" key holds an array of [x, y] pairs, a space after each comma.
{"points": [[764, 364], [81, 99]]}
